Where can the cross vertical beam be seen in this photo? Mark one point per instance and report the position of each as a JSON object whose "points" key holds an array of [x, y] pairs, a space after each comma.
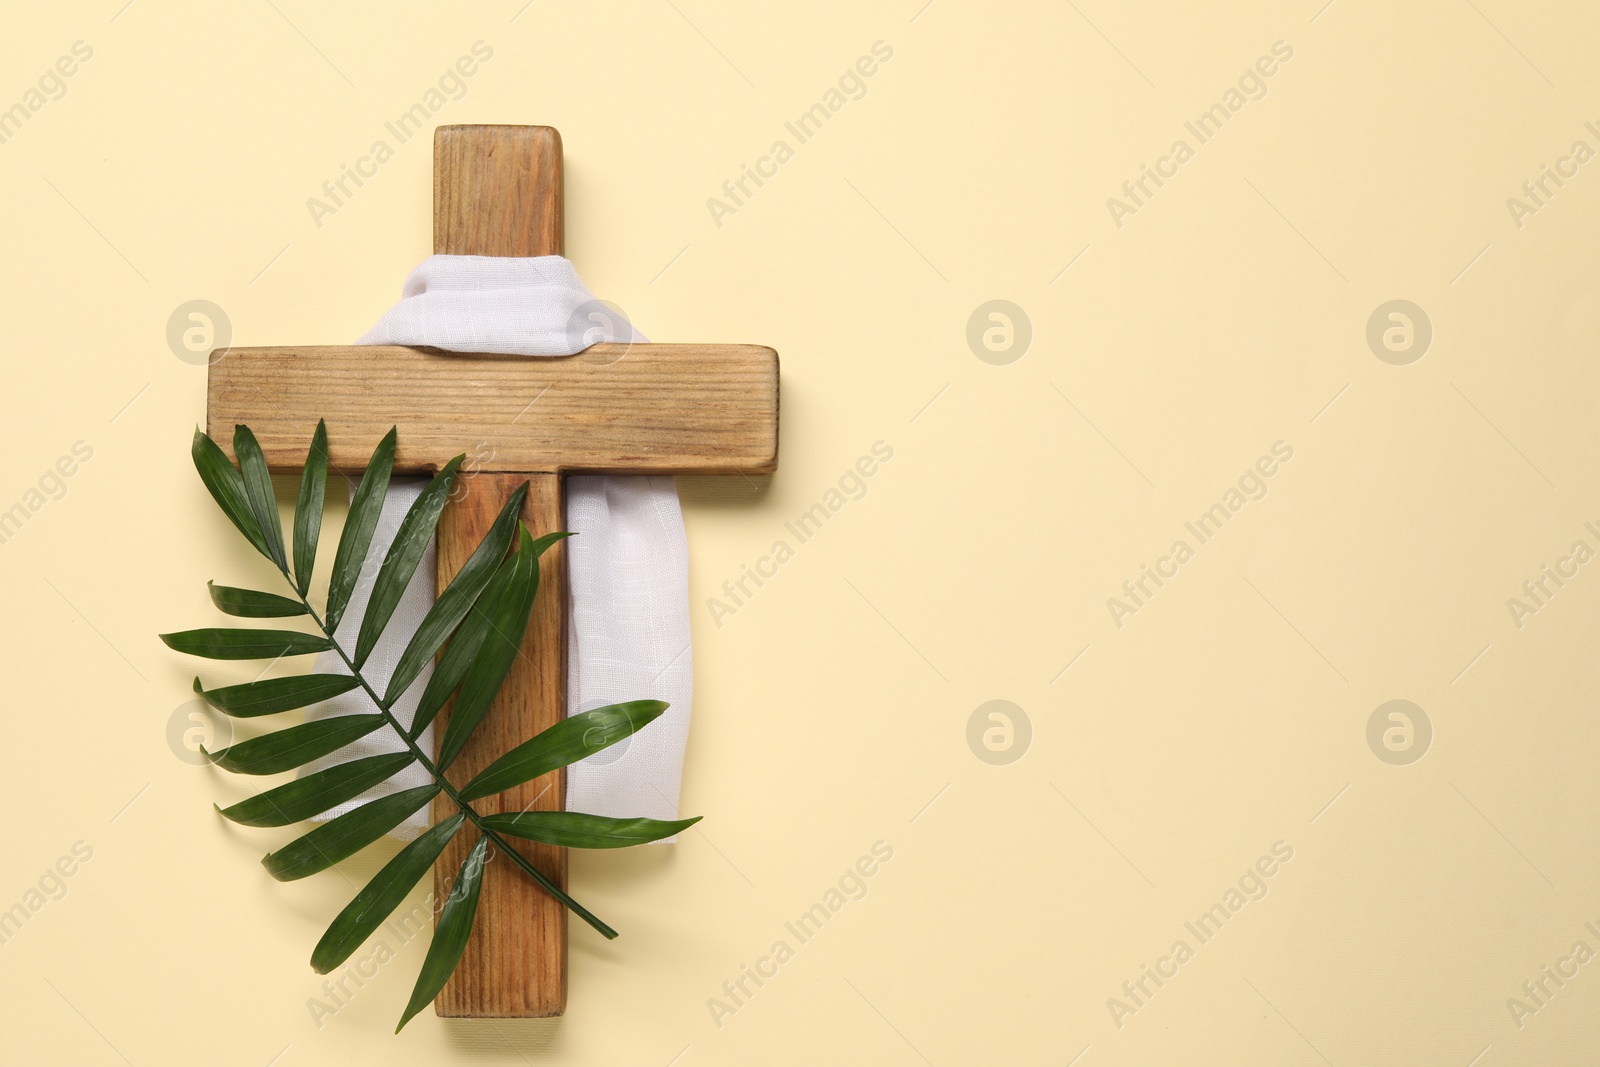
{"points": [[497, 192]]}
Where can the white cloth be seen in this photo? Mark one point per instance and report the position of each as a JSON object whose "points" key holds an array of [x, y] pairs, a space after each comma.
{"points": [[628, 617]]}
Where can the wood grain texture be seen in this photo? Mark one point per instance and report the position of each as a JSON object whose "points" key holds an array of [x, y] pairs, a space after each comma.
{"points": [[630, 409], [497, 191], [515, 965]]}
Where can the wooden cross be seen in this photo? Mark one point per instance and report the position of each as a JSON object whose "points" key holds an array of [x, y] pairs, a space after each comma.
{"points": [[614, 409]]}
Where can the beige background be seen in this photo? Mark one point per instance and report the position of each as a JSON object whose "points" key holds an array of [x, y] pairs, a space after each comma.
{"points": [[1167, 755]]}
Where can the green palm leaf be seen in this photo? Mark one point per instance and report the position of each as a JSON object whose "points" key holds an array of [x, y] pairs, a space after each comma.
{"points": [[271, 695], [464, 648], [459, 654], [226, 485], [506, 614], [295, 746], [316, 793], [479, 621], [308, 508], [416, 531], [340, 838], [365, 508], [451, 933], [382, 895], [217, 643], [568, 741], [458, 597], [258, 492], [576, 829], [250, 604]]}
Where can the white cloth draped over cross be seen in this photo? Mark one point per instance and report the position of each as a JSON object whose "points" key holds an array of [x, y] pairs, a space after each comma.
{"points": [[628, 619]]}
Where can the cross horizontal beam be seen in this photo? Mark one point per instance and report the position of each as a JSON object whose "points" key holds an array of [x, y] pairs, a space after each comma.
{"points": [[614, 408]]}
